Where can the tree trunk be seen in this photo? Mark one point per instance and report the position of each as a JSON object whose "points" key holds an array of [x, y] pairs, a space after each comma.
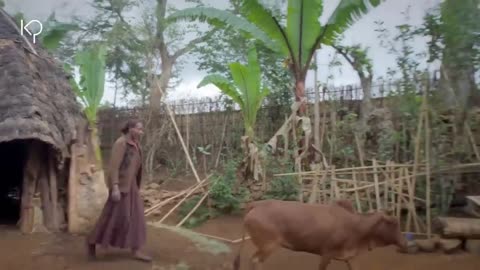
{"points": [[156, 93], [300, 96], [365, 110]]}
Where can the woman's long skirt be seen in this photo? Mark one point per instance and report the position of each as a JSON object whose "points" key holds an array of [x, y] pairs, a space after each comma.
{"points": [[121, 224]]}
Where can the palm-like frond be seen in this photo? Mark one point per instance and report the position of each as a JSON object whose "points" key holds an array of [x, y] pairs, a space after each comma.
{"points": [[246, 90], [264, 19], [224, 85], [92, 78], [303, 28], [219, 17], [345, 14]]}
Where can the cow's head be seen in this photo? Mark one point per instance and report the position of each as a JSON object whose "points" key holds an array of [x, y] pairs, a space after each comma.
{"points": [[388, 233]]}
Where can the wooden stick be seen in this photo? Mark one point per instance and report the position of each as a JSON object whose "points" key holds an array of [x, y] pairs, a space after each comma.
{"points": [[377, 189], [345, 171], [181, 193], [324, 188], [240, 240], [52, 177], [165, 202], [409, 215], [362, 169], [399, 197], [194, 209], [217, 237], [386, 186], [45, 198], [335, 185], [179, 134], [357, 197], [411, 206], [393, 184], [180, 202], [428, 185], [472, 141], [72, 180], [30, 178], [217, 160], [314, 192], [417, 145], [416, 219], [187, 131]]}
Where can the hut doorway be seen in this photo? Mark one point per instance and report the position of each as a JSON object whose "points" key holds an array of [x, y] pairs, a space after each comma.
{"points": [[12, 161]]}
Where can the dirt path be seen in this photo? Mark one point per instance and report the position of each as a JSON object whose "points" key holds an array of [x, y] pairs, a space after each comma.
{"points": [[44, 252]]}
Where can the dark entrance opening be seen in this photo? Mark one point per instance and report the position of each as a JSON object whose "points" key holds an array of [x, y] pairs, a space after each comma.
{"points": [[12, 160]]}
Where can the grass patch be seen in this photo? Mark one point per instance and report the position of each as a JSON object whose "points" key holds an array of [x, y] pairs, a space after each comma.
{"points": [[201, 242]]}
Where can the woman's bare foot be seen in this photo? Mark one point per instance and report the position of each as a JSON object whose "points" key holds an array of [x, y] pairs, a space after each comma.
{"points": [[138, 255]]}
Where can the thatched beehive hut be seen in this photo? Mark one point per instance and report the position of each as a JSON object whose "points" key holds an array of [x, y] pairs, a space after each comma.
{"points": [[47, 181]]}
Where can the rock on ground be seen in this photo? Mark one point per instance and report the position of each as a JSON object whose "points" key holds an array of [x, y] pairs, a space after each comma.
{"points": [[473, 246], [426, 245], [449, 245]]}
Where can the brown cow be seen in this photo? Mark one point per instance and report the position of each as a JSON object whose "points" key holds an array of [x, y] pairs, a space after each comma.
{"points": [[345, 204], [333, 231]]}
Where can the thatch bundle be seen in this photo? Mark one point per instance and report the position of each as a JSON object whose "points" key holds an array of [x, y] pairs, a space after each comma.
{"points": [[36, 101]]}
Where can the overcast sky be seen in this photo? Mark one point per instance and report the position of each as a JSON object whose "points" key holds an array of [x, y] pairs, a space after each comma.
{"points": [[361, 33]]}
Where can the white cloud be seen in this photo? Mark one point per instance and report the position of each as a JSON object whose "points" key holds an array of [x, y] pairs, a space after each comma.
{"points": [[360, 33]]}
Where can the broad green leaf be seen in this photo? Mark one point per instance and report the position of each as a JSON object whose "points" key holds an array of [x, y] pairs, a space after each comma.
{"points": [[224, 85], [2, 3], [240, 77], [345, 14], [303, 28], [253, 83], [246, 91], [92, 71], [219, 17], [263, 19]]}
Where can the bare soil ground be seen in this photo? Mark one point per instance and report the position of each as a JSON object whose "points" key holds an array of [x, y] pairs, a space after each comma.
{"points": [[55, 252]]}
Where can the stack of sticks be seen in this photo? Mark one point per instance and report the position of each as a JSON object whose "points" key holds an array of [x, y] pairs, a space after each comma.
{"points": [[182, 196]]}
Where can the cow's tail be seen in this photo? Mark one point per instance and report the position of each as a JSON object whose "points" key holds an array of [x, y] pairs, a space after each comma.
{"points": [[236, 261]]}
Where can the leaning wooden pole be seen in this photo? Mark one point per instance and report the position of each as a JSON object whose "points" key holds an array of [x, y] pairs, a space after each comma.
{"points": [[180, 137], [427, 168]]}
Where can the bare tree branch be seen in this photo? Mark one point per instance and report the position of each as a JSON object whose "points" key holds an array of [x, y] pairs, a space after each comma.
{"points": [[192, 44]]}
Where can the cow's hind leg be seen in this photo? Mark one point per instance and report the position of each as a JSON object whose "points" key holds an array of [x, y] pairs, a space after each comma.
{"points": [[351, 265], [261, 255], [324, 262]]}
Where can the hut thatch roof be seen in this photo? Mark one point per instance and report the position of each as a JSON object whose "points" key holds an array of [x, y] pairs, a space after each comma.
{"points": [[36, 101]]}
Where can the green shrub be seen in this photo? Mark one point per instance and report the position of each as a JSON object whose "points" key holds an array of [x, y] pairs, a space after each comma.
{"points": [[223, 198], [283, 188]]}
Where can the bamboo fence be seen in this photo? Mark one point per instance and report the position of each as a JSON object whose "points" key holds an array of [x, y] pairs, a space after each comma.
{"points": [[389, 187]]}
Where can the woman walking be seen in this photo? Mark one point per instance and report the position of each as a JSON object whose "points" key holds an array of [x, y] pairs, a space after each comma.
{"points": [[122, 222]]}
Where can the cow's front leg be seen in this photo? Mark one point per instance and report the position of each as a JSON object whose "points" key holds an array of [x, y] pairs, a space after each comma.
{"points": [[351, 264], [257, 260], [262, 254], [324, 262]]}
